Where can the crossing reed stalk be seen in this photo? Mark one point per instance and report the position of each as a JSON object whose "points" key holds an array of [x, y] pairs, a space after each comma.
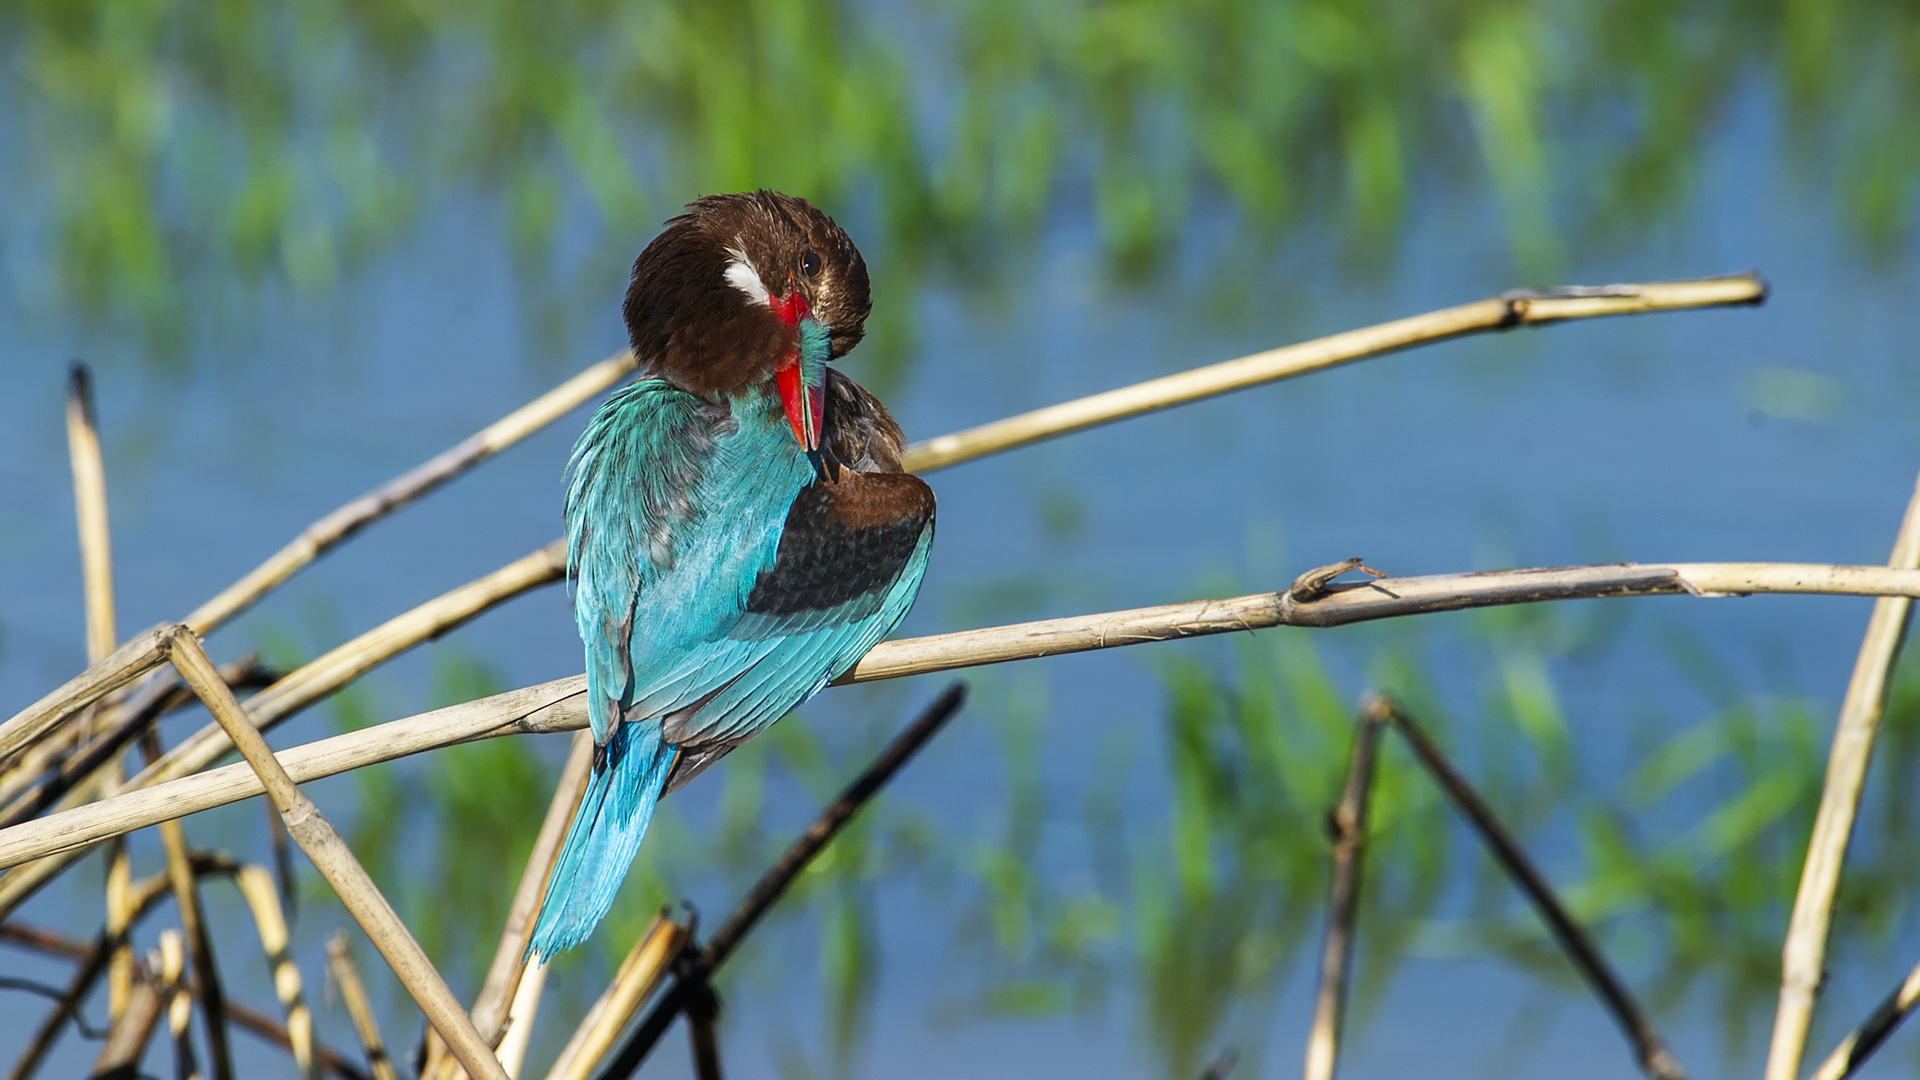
{"points": [[340, 525], [1348, 825], [353, 994], [1859, 1045], [1804, 955], [330, 855], [560, 705], [774, 882], [645, 966], [258, 888]]}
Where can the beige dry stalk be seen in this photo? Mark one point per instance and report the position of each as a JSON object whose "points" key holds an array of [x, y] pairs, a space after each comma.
{"points": [[330, 531], [1349, 826], [258, 887], [1496, 313], [520, 1017], [500, 1001], [96, 566], [1861, 1042], [640, 973], [353, 993], [1804, 955], [330, 855], [308, 684], [193, 924], [560, 705]]}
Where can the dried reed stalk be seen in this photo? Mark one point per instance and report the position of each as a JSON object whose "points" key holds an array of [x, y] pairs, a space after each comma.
{"points": [[1804, 954], [1651, 1051], [96, 565], [119, 899], [512, 1051], [694, 970], [645, 966], [491, 1010], [173, 967], [145, 893], [336, 863], [327, 533], [193, 924], [1520, 308], [90, 506], [354, 994], [1348, 824], [133, 719], [127, 1042], [560, 705], [134, 659], [257, 886], [1859, 1045], [311, 683]]}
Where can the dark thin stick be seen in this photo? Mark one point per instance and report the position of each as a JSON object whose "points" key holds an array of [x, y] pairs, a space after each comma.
{"points": [[68, 1007], [1654, 1057], [145, 894], [1348, 826], [775, 881], [271, 1030], [702, 1007], [53, 993], [42, 940]]}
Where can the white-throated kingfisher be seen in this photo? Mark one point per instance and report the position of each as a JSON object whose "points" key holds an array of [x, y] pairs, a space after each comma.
{"points": [[739, 530]]}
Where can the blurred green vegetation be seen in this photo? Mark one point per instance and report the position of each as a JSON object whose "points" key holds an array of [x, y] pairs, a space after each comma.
{"points": [[164, 152]]}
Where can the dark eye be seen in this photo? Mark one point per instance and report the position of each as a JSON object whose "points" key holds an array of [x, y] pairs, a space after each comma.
{"points": [[809, 264]]}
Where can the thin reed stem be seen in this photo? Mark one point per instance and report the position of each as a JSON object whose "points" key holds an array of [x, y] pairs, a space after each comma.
{"points": [[1803, 957], [330, 855], [1514, 309], [314, 681], [780, 875], [560, 705], [1649, 1048], [332, 530], [353, 993], [134, 659], [127, 1043], [145, 894], [1859, 1045], [132, 720], [646, 965], [173, 972], [258, 887], [90, 509], [520, 1016], [206, 973], [1348, 825], [490, 1010]]}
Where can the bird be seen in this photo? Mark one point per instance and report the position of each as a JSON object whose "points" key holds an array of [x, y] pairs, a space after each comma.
{"points": [[739, 526]]}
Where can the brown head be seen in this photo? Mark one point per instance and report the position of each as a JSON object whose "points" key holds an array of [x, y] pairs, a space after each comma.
{"points": [[717, 298]]}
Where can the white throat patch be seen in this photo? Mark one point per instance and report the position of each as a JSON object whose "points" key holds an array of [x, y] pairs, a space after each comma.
{"points": [[741, 275]]}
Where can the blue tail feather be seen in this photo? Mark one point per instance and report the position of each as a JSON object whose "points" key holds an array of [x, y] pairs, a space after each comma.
{"points": [[605, 834]]}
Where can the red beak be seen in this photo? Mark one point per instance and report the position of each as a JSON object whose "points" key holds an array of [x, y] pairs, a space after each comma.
{"points": [[805, 399]]}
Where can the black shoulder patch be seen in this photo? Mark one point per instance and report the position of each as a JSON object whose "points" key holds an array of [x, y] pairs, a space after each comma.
{"points": [[843, 541]]}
